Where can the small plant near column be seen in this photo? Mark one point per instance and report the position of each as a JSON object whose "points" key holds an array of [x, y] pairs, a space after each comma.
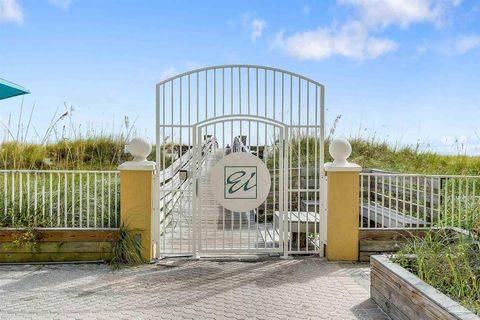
{"points": [[127, 250]]}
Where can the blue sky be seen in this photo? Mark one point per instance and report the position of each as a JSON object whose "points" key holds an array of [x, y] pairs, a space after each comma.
{"points": [[404, 71]]}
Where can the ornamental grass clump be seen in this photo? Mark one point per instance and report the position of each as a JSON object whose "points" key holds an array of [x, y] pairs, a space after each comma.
{"points": [[449, 261], [126, 250]]}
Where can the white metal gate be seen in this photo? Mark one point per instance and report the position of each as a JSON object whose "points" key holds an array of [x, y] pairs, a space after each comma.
{"points": [[218, 230], [205, 114]]}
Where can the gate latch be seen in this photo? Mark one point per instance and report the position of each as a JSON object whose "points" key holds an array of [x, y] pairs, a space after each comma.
{"points": [[184, 174]]}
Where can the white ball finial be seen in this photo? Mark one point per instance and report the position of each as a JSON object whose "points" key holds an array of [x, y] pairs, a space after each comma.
{"points": [[139, 148], [340, 150]]}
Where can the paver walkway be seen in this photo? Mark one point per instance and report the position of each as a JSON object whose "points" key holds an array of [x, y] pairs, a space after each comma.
{"points": [[307, 288]]}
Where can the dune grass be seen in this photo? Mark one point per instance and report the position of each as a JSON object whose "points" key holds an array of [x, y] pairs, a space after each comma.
{"points": [[370, 153], [106, 153], [68, 145], [448, 261], [101, 153]]}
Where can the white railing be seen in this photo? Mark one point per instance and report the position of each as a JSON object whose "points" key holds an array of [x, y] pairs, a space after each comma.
{"points": [[391, 200], [173, 182], [59, 198]]}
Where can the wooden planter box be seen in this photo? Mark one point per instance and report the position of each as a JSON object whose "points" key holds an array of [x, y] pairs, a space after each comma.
{"points": [[402, 295], [385, 241], [58, 245]]}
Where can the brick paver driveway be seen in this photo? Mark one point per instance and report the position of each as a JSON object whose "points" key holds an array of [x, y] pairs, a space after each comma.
{"points": [[306, 288]]}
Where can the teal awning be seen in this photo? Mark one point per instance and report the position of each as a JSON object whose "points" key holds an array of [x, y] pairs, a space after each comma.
{"points": [[9, 89]]}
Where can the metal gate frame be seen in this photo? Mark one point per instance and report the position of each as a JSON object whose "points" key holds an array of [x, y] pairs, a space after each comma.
{"points": [[283, 193], [302, 101]]}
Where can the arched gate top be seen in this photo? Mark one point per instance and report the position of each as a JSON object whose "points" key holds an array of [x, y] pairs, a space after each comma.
{"points": [[199, 95], [228, 66]]}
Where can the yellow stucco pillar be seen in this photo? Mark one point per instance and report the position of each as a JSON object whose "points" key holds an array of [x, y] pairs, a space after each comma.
{"points": [[342, 204], [136, 196]]}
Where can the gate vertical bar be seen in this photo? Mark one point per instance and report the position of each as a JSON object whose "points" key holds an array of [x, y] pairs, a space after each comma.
{"points": [[194, 195], [283, 179]]}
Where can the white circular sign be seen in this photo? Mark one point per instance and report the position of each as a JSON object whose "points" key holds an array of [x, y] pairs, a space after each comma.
{"points": [[240, 182]]}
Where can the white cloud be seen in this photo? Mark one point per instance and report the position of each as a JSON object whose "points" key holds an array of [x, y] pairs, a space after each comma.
{"points": [[62, 4], [352, 41], [355, 38], [10, 11], [258, 26], [376, 47], [466, 43], [254, 26], [382, 13]]}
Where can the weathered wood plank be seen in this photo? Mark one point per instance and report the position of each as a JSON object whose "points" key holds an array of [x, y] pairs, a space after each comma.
{"points": [[408, 301], [381, 246], [58, 247], [388, 217], [364, 256], [384, 241], [402, 295], [391, 234], [63, 235], [53, 257], [385, 304], [389, 240]]}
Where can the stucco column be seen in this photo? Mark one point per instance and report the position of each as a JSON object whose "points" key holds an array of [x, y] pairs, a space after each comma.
{"points": [[342, 203], [136, 195]]}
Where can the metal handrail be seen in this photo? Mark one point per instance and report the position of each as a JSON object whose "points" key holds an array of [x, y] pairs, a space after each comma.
{"points": [[171, 194], [178, 165], [417, 175]]}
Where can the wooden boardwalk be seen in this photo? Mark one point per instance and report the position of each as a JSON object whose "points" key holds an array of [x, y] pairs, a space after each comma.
{"points": [[220, 230], [390, 218]]}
